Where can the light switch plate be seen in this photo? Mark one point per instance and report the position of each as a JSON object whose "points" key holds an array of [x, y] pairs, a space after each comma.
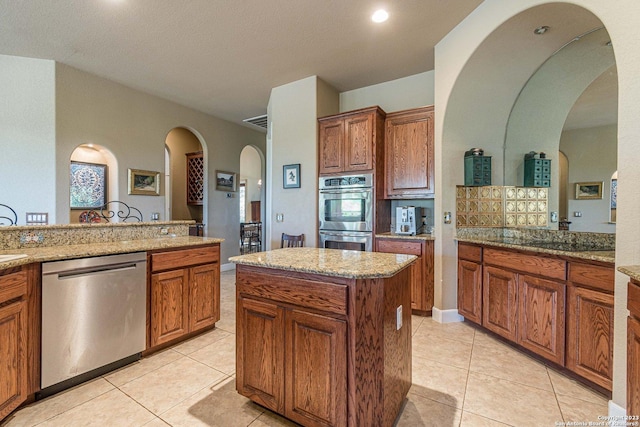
{"points": [[398, 318]]}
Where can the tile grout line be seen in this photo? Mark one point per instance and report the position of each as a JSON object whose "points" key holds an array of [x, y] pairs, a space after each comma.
{"points": [[555, 394]]}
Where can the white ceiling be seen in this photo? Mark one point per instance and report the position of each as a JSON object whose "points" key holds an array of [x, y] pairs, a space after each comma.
{"points": [[223, 57]]}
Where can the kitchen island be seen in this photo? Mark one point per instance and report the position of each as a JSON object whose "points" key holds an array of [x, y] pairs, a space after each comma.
{"points": [[323, 336]]}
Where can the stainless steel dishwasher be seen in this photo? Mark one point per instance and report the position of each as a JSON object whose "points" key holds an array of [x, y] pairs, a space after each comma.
{"points": [[93, 317]]}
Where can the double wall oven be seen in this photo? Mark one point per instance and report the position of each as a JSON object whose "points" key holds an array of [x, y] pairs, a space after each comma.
{"points": [[346, 212]]}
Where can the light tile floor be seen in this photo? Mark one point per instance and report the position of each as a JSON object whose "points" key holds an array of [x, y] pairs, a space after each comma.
{"points": [[461, 377]]}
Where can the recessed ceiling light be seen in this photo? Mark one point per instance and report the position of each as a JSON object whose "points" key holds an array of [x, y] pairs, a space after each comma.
{"points": [[380, 16], [541, 30]]}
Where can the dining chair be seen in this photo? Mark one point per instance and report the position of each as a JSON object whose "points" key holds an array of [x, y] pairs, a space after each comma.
{"points": [[292, 241]]}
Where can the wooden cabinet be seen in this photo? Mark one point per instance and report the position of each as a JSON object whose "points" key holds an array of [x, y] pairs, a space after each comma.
{"points": [[590, 322], [195, 178], [500, 301], [14, 340], [541, 315], [633, 348], [185, 292], [422, 287], [350, 142], [409, 153], [470, 282]]}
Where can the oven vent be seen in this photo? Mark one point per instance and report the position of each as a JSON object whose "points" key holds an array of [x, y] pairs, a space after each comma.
{"points": [[258, 121]]}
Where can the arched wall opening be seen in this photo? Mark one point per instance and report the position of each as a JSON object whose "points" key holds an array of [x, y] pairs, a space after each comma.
{"points": [[89, 189]]}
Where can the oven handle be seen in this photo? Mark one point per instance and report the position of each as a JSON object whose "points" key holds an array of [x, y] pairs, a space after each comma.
{"points": [[360, 190], [345, 234]]}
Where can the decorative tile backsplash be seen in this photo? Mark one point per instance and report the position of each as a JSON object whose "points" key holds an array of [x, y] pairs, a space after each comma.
{"points": [[501, 206]]}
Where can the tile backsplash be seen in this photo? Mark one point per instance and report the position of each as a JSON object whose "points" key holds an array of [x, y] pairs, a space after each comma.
{"points": [[501, 206]]}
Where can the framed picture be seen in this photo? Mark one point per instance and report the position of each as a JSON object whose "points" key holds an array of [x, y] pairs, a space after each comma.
{"points": [[225, 181], [291, 176], [588, 190], [88, 189], [144, 183]]}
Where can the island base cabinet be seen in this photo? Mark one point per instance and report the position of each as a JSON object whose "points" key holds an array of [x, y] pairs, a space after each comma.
{"points": [[541, 317], [260, 353], [316, 371], [589, 335], [13, 356], [499, 302]]}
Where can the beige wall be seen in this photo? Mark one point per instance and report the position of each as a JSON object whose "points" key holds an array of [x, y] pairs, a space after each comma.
{"points": [[452, 53], [27, 136], [592, 154], [181, 141], [134, 126]]}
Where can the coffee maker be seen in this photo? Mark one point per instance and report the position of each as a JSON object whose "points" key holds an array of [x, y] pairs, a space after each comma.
{"points": [[406, 220]]}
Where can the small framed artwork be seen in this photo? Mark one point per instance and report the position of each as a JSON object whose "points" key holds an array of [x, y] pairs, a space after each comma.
{"points": [[144, 183], [225, 181], [291, 176], [588, 190], [88, 185]]}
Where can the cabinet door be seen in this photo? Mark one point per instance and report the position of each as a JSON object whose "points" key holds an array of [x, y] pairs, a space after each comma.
{"points": [[633, 366], [358, 142], [500, 302], [204, 295], [470, 290], [541, 314], [331, 146], [418, 280], [260, 353], [13, 356], [316, 369], [169, 305], [590, 335]]}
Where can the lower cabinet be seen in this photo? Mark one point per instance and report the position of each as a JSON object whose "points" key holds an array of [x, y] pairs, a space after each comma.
{"points": [[633, 348], [309, 348], [185, 298], [422, 270], [470, 290], [500, 302]]}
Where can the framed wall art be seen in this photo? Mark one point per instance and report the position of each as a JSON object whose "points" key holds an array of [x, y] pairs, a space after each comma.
{"points": [[225, 181], [291, 176], [144, 183], [88, 185], [588, 190]]}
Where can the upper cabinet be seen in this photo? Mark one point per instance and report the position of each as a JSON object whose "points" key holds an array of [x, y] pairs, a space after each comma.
{"points": [[409, 165], [351, 142], [195, 178]]}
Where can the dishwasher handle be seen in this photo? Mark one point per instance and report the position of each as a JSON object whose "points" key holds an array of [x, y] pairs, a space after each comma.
{"points": [[97, 270]]}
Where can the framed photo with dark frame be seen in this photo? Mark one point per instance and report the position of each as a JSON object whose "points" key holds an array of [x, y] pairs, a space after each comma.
{"points": [[589, 190], [144, 183], [88, 185], [291, 176], [225, 181]]}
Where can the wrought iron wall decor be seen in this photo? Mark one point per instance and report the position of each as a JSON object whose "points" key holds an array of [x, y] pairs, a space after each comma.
{"points": [[111, 210], [11, 217], [88, 185]]}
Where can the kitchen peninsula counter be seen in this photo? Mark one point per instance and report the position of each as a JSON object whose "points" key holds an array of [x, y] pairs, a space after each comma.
{"points": [[323, 336]]}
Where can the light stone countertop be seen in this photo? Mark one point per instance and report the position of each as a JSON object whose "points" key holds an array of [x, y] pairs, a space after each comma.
{"points": [[632, 271], [405, 236], [56, 253], [329, 262], [602, 256]]}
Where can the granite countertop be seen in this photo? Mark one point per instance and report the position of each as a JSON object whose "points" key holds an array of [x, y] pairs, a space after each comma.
{"points": [[633, 271], [546, 248], [404, 236], [329, 262], [56, 253]]}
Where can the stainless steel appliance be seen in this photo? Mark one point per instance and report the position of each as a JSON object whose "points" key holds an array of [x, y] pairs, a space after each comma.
{"points": [[350, 240], [346, 212], [406, 220], [93, 317]]}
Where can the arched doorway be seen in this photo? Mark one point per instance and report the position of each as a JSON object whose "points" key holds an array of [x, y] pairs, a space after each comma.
{"points": [[185, 173], [94, 179], [250, 199]]}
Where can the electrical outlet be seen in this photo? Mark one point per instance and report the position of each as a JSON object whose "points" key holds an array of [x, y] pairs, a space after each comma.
{"points": [[577, 214], [164, 231], [398, 318], [279, 217]]}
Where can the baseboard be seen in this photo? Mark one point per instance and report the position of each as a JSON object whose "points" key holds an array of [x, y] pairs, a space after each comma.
{"points": [[616, 411], [228, 266], [446, 316]]}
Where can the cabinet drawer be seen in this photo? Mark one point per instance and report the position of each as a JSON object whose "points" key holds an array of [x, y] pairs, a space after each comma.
{"points": [[593, 276], [13, 285], [399, 247], [534, 263], [470, 252], [184, 257], [327, 297], [633, 299]]}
